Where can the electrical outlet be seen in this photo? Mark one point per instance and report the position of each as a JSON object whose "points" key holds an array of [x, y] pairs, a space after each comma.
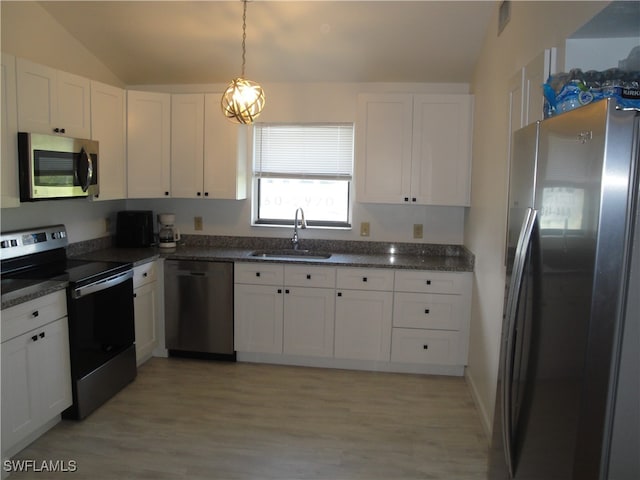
{"points": [[364, 229], [417, 230], [197, 223]]}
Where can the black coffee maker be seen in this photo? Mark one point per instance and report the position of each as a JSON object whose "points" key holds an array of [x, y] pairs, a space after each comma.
{"points": [[134, 229]]}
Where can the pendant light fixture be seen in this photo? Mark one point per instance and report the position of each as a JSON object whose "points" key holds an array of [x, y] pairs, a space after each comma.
{"points": [[243, 100]]}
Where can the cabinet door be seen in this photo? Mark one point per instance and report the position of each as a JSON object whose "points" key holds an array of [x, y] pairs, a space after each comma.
{"points": [[148, 144], [187, 145], [108, 128], [54, 371], [19, 411], [51, 101], [144, 307], [308, 321], [441, 159], [383, 148], [37, 97], [258, 318], [9, 140], [74, 105], [363, 325], [225, 153], [36, 380]]}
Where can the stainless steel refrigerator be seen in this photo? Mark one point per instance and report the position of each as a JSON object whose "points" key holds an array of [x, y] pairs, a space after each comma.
{"points": [[568, 395]]}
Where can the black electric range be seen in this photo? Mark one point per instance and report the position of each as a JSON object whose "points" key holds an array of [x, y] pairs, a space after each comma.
{"points": [[99, 309]]}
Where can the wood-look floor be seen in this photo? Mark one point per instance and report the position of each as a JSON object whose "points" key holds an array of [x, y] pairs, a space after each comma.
{"points": [[196, 419]]}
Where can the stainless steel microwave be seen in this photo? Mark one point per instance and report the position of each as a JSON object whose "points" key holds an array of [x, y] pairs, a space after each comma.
{"points": [[53, 167]]}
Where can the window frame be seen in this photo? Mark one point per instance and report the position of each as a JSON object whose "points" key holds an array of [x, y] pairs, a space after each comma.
{"points": [[288, 222]]}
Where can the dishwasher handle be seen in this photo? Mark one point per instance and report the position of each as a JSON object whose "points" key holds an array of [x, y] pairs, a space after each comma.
{"points": [[102, 284]]}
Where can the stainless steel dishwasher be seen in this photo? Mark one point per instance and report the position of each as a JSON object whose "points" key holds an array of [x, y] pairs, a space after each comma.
{"points": [[199, 308]]}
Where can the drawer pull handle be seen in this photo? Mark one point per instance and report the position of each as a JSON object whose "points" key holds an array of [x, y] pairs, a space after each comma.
{"points": [[426, 311], [286, 291], [364, 279], [339, 294], [257, 274], [135, 295], [425, 347], [428, 282], [145, 274], [308, 276], [34, 338], [279, 290], [41, 335], [35, 314]]}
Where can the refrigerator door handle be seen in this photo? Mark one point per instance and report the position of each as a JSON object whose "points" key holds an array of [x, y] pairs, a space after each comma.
{"points": [[515, 287]]}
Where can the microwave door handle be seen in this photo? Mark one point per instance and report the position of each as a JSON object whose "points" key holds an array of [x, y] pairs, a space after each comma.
{"points": [[84, 173], [89, 173]]}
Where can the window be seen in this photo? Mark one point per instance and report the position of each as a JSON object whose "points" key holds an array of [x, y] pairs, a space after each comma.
{"points": [[303, 165]]}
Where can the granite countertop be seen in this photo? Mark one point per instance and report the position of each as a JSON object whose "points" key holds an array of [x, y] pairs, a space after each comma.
{"points": [[448, 258], [445, 258]]}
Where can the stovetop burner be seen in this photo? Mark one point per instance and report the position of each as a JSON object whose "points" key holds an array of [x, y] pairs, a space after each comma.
{"points": [[31, 257]]}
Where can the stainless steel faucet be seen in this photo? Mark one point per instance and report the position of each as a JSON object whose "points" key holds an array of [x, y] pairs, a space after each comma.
{"points": [[303, 224]]}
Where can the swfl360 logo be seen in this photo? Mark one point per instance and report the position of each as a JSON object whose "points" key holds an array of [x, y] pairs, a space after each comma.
{"points": [[63, 466]]}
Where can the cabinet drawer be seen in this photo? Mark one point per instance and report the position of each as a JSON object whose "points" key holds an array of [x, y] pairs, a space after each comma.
{"points": [[26, 316], [423, 310], [421, 281], [365, 279], [256, 273], [425, 346], [143, 274], [308, 276]]}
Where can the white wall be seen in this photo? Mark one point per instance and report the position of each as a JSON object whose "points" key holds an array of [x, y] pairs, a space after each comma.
{"points": [[84, 219], [29, 31], [534, 26]]}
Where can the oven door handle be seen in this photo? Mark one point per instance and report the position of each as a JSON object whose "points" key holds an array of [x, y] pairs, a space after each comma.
{"points": [[102, 284]]}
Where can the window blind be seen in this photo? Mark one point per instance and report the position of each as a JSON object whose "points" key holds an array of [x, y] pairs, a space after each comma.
{"points": [[323, 151]]}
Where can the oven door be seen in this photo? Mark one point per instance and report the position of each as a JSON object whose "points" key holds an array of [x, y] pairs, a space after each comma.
{"points": [[101, 322]]}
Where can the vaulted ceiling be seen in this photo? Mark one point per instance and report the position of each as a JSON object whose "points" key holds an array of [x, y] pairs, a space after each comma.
{"points": [[167, 42]]}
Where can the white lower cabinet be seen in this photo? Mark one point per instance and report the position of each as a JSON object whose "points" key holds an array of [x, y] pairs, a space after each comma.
{"points": [[364, 307], [145, 307], [258, 307], [36, 375], [284, 309], [308, 321], [258, 318], [402, 320], [309, 309], [431, 318]]}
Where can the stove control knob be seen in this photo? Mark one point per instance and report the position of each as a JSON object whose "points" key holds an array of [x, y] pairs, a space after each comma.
{"points": [[4, 244]]}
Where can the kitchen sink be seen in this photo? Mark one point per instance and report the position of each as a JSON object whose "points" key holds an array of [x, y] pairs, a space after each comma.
{"points": [[304, 254]]}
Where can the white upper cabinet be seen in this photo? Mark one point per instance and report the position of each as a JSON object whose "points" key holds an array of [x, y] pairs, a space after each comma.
{"points": [[208, 153], [108, 127], [441, 161], [187, 145], [414, 149], [225, 153], [148, 144], [53, 102], [9, 140], [383, 147]]}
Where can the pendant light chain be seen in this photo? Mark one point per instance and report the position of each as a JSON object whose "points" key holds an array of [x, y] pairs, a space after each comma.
{"points": [[244, 35]]}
